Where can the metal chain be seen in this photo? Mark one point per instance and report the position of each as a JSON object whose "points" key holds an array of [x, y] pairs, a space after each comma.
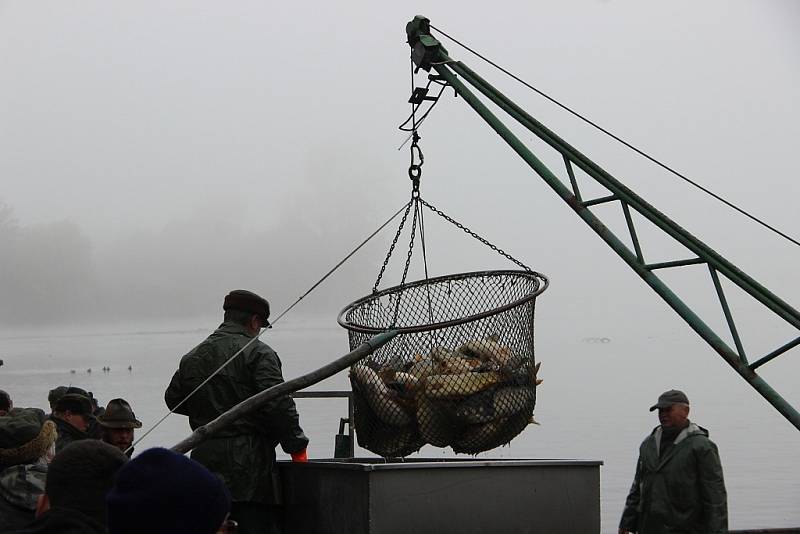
{"points": [[411, 241], [391, 248], [408, 256], [473, 234]]}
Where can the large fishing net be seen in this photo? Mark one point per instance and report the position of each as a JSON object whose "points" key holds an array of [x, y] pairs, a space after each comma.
{"points": [[461, 375]]}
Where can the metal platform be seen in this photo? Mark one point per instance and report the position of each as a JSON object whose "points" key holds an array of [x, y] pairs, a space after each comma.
{"points": [[355, 496]]}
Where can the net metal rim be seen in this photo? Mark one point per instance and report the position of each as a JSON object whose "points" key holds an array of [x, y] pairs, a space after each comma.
{"points": [[539, 279]]}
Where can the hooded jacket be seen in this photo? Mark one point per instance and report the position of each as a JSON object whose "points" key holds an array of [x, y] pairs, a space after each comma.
{"points": [[682, 491], [20, 487], [243, 454]]}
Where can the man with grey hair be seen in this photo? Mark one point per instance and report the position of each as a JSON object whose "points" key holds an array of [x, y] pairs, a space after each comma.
{"points": [[678, 486]]}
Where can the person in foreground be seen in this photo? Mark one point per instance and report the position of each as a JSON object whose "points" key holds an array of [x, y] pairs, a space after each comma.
{"points": [[243, 454], [71, 415], [161, 491], [6, 404], [74, 499], [27, 445], [678, 486]]}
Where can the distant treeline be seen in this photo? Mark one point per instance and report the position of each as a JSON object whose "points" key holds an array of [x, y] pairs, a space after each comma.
{"points": [[54, 273]]}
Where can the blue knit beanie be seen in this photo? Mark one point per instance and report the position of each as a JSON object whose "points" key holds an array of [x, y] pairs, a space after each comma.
{"points": [[161, 491]]}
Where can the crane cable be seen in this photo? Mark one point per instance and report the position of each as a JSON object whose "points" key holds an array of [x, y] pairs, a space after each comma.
{"points": [[616, 138], [254, 338]]}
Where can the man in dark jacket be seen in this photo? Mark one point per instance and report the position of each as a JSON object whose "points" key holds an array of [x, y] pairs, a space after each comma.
{"points": [[72, 414], [678, 486], [243, 454], [5, 403], [74, 499], [118, 423]]}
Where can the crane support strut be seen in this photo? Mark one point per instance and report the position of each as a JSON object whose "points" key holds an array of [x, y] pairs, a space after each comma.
{"points": [[427, 54]]}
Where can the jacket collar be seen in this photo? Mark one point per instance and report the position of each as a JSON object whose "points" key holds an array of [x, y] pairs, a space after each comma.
{"points": [[230, 327], [691, 430]]}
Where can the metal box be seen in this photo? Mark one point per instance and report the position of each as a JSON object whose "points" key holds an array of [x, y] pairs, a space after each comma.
{"points": [[355, 496]]}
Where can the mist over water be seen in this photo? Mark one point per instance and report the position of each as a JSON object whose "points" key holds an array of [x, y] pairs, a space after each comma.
{"points": [[592, 404]]}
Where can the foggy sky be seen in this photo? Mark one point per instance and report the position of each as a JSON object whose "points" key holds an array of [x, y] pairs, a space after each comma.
{"points": [[155, 156]]}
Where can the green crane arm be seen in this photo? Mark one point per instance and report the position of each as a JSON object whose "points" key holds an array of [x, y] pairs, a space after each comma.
{"points": [[427, 53]]}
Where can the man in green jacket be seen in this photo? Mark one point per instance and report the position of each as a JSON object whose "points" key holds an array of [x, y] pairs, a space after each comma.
{"points": [[243, 454], [678, 486]]}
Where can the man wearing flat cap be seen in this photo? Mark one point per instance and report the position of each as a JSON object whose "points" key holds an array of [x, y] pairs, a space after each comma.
{"points": [[678, 486], [243, 454], [71, 415], [118, 422]]}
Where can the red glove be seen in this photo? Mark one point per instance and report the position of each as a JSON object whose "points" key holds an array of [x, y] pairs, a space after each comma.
{"points": [[301, 456]]}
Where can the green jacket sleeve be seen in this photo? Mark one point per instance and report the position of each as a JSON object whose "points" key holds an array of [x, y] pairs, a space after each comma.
{"points": [[712, 490], [174, 395], [279, 417], [630, 514]]}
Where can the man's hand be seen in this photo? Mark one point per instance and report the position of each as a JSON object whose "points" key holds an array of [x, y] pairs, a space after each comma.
{"points": [[301, 456]]}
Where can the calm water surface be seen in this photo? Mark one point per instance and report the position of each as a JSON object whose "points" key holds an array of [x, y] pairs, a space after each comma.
{"points": [[592, 404]]}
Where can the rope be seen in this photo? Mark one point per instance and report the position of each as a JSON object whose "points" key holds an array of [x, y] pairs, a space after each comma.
{"points": [[616, 138], [229, 360], [373, 234]]}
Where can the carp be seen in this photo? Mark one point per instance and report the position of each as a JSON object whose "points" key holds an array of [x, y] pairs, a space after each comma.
{"points": [[491, 405], [380, 398], [422, 368], [460, 385], [508, 401], [489, 349], [400, 442], [450, 362], [435, 426], [476, 409], [477, 438], [454, 365]]}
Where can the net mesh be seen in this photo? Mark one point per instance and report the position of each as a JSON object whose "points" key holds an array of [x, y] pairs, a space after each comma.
{"points": [[461, 375]]}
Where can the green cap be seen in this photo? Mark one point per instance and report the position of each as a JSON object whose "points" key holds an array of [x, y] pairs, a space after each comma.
{"points": [[668, 398]]}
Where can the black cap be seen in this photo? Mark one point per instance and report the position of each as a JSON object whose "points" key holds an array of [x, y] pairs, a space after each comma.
{"points": [[75, 403], [56, 393], [79, 391], [247, 301], [668, 398]]}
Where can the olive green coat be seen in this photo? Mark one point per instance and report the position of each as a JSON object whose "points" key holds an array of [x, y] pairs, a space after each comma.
{"points": [[243, 454], [681, 492]]}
